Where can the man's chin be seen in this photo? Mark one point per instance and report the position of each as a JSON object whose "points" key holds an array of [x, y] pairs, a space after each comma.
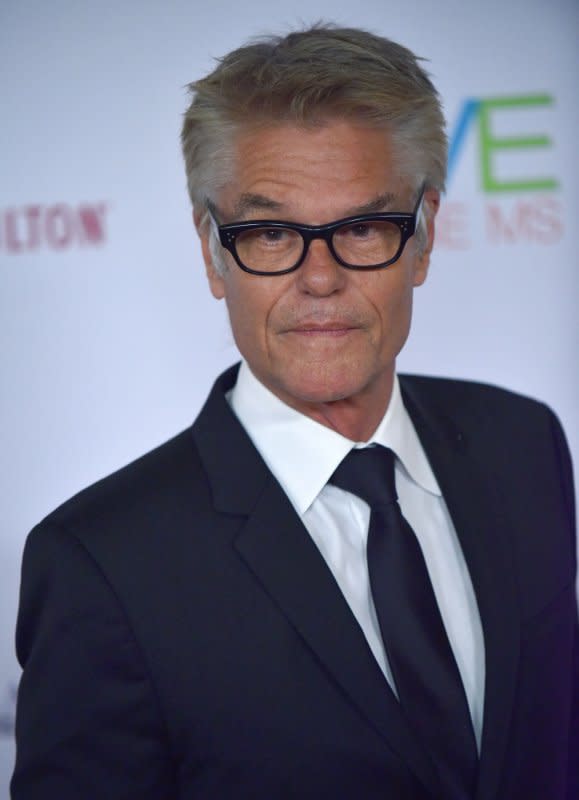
{"points": [[314, 390]]}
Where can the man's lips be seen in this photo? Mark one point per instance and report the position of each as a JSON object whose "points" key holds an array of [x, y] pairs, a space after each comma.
{"points": [[337, 328]]}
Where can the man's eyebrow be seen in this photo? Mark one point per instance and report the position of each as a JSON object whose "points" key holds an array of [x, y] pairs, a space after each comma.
{"points": [[249, 201], [381, 202]]}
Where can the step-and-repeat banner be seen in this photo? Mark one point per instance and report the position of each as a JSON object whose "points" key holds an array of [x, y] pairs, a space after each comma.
{"points": [[109, 336]]}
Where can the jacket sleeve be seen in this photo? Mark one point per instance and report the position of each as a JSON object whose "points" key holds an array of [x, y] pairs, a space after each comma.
{"points": [[573, 778], [88, 722], [566, 471]]}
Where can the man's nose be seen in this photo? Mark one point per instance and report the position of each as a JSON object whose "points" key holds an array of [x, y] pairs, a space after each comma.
{"points": [[320, 273]]}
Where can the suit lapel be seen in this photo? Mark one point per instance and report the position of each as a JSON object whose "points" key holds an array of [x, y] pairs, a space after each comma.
{"points": [[479, 514], [278, 550], [281, 554]]}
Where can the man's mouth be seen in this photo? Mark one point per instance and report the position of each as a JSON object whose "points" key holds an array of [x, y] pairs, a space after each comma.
{"points": [[332, 328]]}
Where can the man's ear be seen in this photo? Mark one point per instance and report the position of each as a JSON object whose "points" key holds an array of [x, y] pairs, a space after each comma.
{"points": [[431, 204], [202, 225]]}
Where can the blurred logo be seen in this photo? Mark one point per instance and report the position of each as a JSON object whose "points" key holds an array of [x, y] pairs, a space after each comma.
{"points": [[481, 114], [512, 164], [55, 227]]}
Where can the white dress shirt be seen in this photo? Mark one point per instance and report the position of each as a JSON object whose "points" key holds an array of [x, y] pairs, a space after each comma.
{"points": [[302, 454]]}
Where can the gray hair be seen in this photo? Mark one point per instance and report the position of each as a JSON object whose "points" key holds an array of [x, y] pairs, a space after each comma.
{"points": [[307, 78]]}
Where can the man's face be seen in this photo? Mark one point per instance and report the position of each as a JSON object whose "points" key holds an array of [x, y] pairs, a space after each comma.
{"points": [[322, 333]]}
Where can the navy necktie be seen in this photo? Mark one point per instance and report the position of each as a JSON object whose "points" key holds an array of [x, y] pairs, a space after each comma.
{"points": [[427, 679]]}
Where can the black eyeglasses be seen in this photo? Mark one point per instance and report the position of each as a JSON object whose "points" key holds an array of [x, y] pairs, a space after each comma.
{"points": [[362, 242]]}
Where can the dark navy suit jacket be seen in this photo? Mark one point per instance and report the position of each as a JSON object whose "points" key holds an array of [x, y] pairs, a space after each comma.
{"points": [[182, 637]]}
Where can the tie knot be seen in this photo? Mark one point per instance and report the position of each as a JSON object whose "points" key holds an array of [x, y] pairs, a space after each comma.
{"points": [[369, 474]]}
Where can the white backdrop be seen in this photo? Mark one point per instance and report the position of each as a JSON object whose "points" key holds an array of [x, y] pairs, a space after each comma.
{"points": [[109, 337]]}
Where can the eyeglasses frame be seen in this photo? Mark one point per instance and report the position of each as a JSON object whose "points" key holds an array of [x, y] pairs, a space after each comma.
{"points": [[406, 222]]}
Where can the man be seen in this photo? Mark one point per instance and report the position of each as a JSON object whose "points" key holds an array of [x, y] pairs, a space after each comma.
{"points": [[248, 611]]}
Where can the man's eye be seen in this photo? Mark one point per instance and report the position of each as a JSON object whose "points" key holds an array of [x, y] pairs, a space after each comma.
{"points": [[362, 230], [359, 230], [272, 235]]}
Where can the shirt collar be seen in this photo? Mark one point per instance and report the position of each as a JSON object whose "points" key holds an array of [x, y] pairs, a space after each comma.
{"points": [[302, 453]]}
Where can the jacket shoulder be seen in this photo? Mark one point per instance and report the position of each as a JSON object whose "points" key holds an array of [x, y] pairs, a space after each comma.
{"points": [[473, 392], [472, 403], [145, 487], [502, 425]]}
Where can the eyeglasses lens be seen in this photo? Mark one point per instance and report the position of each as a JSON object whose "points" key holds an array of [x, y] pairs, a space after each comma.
{"points": [[365, 244], [360, 244]]}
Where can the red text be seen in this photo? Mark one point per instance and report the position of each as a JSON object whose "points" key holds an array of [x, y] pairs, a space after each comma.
{"points": [[54, 227]]}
